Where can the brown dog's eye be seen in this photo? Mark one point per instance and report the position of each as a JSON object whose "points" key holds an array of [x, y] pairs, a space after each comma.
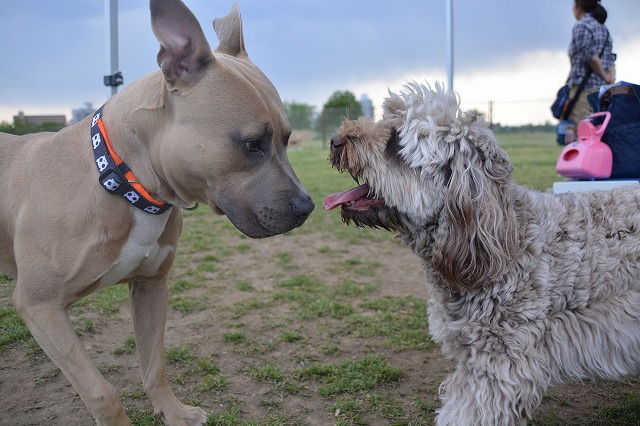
{"points": [[254, 146]]}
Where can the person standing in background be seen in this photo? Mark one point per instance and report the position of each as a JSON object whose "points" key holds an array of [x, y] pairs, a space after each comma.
{"points": [[590, 38]]}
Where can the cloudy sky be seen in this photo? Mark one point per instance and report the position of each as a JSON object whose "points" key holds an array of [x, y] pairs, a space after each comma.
{"points": [[52, 53]]}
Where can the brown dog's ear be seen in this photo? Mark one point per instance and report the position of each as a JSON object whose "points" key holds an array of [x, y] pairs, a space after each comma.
{"points": [[184, 49], [477, 233], [229, 31]]}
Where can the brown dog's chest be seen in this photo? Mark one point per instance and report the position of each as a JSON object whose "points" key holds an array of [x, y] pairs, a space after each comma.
{"points": [[142, 254]]}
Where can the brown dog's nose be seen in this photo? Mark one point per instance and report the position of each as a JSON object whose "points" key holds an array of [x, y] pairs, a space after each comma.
{"points": [[302, 207], [336, 142]]}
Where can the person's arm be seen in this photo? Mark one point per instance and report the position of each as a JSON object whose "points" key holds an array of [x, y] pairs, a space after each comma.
{"points": [[609, 75]]}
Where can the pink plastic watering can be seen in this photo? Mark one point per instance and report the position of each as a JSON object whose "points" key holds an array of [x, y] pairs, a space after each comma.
{"points": [[588, 157]]}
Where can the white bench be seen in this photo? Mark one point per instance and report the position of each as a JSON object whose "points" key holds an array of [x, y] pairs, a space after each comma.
{"points": [[591, 185]]}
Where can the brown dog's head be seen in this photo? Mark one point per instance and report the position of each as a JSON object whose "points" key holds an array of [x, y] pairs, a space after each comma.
{"points": [[221, 131], [429, 166]]}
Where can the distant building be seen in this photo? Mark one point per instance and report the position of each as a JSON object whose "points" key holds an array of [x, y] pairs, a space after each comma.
{"points": [[38, 120], [367, 106], [78, 114]]}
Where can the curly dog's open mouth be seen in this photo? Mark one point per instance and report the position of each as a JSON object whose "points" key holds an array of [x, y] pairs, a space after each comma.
{"points": [[358, 199]]}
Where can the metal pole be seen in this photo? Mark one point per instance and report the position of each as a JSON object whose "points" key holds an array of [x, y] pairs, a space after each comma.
{"points": [[449, 18], [111, 24], [491, 113]]}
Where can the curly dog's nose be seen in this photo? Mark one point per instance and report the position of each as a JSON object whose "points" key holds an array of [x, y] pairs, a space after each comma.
{"points": [[336, 141]]}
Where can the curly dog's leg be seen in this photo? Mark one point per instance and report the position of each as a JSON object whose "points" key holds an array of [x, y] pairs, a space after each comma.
{"points": [[492, 394]]}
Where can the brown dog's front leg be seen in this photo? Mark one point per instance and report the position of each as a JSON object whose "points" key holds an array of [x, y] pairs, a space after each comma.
{"points": [[50, 326], [149, 302]]}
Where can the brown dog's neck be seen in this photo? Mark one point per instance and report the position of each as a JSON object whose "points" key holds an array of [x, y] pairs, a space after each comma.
{"points": [[133, 118]]}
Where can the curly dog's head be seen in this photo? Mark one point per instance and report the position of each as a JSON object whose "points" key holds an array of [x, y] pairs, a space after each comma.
{"points": [[427, 164]]}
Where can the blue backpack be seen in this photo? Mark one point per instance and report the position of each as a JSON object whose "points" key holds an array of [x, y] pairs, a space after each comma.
{"points": [[623, 132]]}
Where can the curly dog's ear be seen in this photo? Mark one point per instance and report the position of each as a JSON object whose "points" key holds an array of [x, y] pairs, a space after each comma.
{"points": [[477, 231]]}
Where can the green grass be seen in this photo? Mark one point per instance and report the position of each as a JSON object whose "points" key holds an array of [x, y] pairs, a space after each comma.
{"points": [[349, 288], [106, 302], [180, 355], [291, 336], [307, 293], [272, 374], [127, 348], [207, 366], [534, 158], [143, 417], [627, 412], [214, 383], [347, 411], [285, 260], [244, 286], [352, 376], [234, 337], [398, 332], [184, 284], [12, 328], [266, 372], [83, 325], [232, 418], [187, 304], [242, 308]]}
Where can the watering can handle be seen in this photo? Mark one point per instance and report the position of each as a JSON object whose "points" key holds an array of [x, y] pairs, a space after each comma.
{"points": [[601, 128]]}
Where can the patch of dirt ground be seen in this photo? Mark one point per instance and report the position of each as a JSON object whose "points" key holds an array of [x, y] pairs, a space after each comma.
{"points": [[243, 293]]}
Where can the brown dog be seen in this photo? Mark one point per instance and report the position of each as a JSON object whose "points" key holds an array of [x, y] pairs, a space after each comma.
{"points": [[209, 127]]}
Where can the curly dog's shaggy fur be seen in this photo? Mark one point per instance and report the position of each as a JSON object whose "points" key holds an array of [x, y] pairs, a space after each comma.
{"points": [[528, 288]]}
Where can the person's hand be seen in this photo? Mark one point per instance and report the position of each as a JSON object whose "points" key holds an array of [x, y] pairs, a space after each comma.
{"points": [[611, 76]]}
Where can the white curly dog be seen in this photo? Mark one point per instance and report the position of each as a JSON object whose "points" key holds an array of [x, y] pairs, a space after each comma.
{"points": [[528, 288]]}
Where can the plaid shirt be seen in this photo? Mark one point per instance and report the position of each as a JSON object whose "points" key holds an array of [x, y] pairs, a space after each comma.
{"points": [[588, 38]]}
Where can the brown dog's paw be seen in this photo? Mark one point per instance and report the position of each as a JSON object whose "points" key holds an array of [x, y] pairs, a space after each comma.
{"points": [[184, 415]]}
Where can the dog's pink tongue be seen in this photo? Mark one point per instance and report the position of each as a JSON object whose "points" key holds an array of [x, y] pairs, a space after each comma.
{"points": [[334, 200]]}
